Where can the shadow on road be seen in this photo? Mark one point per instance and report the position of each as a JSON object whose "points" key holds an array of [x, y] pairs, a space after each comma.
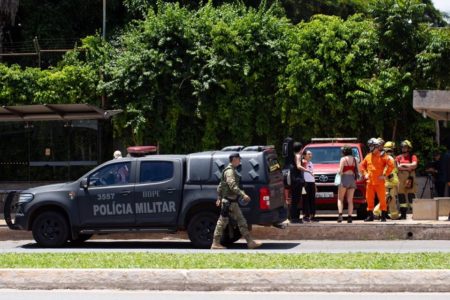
{"points": [[120, 244]]}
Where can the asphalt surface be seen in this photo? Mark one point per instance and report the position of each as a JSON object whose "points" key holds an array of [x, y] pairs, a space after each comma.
{"points": [[326, 229], [269, 246], [392, 236], [172, 295]]}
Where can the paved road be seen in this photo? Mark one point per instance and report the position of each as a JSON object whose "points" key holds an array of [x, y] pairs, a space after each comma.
{"points": [[269, 246], [138, 295]]}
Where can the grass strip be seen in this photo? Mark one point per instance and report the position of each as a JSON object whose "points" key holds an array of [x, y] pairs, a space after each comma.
{"points": [[233, 260]]}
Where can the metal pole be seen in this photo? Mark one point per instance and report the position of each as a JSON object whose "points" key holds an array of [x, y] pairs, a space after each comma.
{"points": [[104, 19], [38, 50]]}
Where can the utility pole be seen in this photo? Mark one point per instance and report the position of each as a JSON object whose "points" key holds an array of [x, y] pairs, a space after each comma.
{"points": [[104, 20]]}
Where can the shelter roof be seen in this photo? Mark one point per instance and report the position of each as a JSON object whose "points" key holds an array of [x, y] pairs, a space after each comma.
{"points": [[54, 112], [432, 103]]}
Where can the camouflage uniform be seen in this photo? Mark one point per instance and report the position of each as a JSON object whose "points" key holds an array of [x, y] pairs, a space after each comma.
{"points": [[229, 191]]}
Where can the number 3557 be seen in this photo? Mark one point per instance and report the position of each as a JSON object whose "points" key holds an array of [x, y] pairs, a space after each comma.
{"points": [[107, 196]]}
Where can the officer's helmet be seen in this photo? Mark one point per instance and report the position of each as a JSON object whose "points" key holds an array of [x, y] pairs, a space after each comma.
{"points": [[406, 143], [373, 143], [389, 146]]}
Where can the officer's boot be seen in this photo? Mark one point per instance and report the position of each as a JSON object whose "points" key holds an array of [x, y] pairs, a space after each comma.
{"points": [[216, 243], [403, 213], [383, 216], [252, 244], [369, 217]]}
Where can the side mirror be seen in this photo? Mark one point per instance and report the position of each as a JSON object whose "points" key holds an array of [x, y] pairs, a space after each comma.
{"points": [[84, 183]]}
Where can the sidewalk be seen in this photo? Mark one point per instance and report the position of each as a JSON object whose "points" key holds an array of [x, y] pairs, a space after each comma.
{"points": [[298, 280], [327, 229]]}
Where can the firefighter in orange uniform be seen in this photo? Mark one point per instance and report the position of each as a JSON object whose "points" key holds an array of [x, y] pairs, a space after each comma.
{"points": [[376, 167]]}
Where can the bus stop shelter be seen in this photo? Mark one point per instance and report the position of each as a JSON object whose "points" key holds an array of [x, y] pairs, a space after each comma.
{"points": [[52, 142], [434, 104]]}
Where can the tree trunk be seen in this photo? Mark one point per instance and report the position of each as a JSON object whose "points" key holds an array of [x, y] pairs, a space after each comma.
{"points": [[8, 11], [394, 130]]}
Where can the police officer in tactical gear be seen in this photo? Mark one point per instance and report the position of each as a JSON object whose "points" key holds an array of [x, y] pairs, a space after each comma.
{"points": [[228, 195]]}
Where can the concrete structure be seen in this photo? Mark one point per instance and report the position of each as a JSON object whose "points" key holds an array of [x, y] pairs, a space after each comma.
{"points": [[425, 209], [433, 104], [444, 206], [327, 229], [297, 280]]}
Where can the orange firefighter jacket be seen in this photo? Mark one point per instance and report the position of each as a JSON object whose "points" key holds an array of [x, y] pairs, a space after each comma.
{"points": [[376, 165]]}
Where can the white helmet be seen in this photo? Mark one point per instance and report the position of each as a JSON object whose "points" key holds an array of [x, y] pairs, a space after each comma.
{"points": [[374, 143], [117, 154]]}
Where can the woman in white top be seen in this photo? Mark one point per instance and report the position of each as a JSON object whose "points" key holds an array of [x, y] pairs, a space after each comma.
{"points": [[309, 200], [348, 169]]}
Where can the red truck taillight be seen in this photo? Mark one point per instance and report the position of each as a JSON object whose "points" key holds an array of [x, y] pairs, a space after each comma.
{"points": [[264, 198]]}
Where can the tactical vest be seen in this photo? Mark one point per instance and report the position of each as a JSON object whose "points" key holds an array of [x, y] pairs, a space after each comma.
{"points": [[224, 188]]}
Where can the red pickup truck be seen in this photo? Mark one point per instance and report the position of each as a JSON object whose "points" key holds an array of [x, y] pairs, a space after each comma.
{"points": [[326, 154]]}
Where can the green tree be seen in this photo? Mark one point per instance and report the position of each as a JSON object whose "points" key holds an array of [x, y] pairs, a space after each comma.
{"points": [[69, 84], [327, 59], [213, 69], [434, 60], [402, 27]]}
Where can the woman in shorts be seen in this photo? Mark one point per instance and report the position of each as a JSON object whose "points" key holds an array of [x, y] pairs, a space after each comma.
{"points": [[348, 170]]}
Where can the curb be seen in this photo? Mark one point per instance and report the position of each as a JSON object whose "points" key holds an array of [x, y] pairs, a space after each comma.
{"points": [[312, 231], [264, 280]]}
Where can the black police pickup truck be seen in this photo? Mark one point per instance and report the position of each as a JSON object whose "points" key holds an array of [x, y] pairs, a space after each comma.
{"points": [[154, 193]]}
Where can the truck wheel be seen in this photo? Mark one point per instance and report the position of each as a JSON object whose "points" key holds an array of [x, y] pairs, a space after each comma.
{"points": [[230, 235], [50, 229], [82, 237], [201, 229], [361, 211]]}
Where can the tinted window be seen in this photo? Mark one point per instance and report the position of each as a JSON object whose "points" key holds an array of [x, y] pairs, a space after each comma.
{"points": [[153, 171], [329, 155], [112, 174]]}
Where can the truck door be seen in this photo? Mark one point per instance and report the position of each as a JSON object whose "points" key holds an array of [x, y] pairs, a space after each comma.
{"points": [[158, 191], [108, 200]]}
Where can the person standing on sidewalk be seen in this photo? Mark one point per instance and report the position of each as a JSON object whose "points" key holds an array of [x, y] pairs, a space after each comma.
{"points": [[297, 184], [407, 164], [348, 170], [309, 200], [228, 195], [375, 167], [392, 182]]}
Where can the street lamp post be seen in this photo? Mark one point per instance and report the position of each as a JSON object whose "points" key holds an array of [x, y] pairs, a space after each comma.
{"points": [[104, 19]]}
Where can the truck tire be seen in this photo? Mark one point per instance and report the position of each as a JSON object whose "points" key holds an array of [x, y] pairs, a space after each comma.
{"points": [[50, 229], [201, 229], [82, 237], [230, 235]]}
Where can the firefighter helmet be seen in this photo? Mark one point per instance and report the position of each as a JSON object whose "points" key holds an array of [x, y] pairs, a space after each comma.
{"points": [[373, 143], [406, 143], [389, 145]]}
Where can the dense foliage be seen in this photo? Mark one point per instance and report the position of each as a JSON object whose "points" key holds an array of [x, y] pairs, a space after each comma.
{"points": [[193, 79]]}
